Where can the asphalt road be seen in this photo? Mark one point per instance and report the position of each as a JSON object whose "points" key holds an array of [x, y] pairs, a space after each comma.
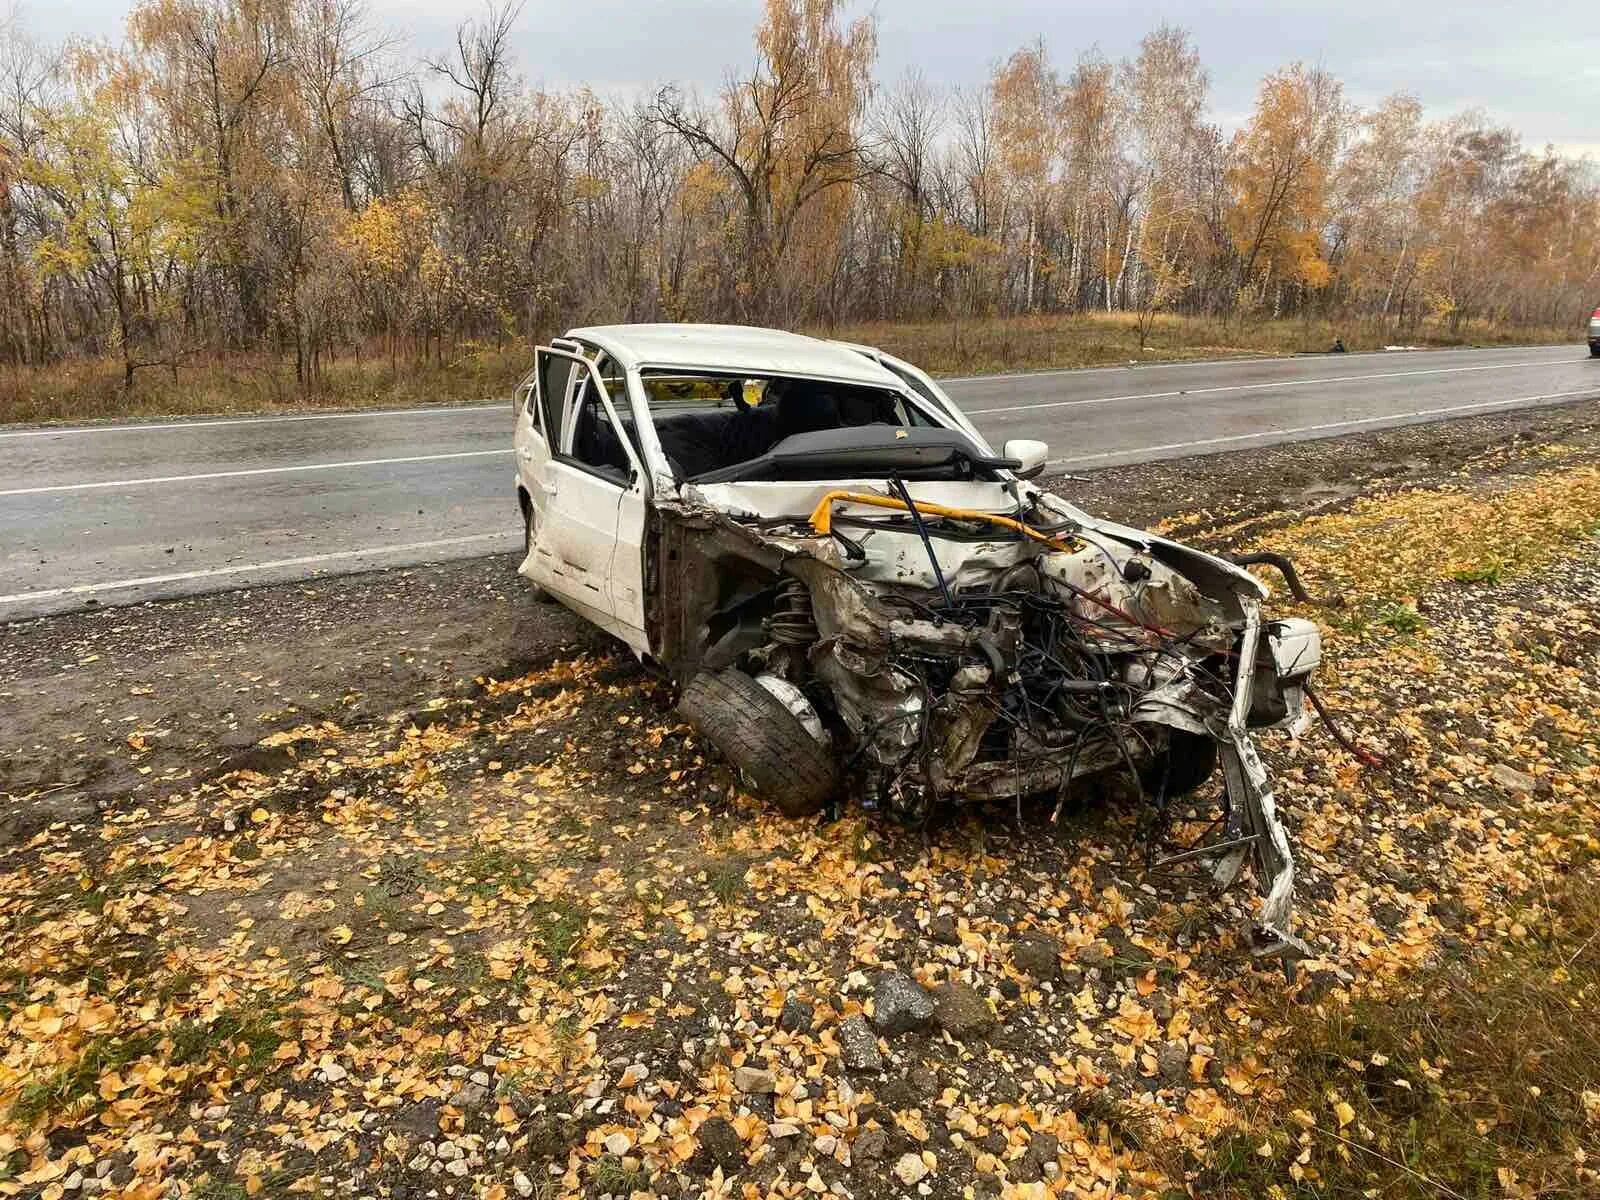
{"points": [[112, 514]]}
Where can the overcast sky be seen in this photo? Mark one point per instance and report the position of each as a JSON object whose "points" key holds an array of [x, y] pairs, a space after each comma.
{"points": [[1533, 66]]}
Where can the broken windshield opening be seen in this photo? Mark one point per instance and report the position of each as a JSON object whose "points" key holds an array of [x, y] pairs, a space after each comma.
{"points": [[709, 422]]}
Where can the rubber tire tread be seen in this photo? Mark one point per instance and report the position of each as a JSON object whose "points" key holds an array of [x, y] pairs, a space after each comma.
{"points": [[1191, 760], [762, 738]]}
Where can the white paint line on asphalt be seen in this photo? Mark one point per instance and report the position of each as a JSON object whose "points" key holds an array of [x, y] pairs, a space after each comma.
{"points": [[332, 466], [308, 560], [1247, 387], [429, 411], [1376, 421]]}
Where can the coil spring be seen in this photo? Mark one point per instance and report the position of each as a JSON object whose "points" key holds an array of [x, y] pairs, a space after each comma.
{"points": [[792, 622]]}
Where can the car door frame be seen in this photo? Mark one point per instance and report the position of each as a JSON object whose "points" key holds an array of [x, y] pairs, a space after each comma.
{"points": [[529, 442], [599, 577]]}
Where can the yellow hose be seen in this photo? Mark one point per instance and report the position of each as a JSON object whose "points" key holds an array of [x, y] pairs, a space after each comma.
{"points": [[822, 515]]}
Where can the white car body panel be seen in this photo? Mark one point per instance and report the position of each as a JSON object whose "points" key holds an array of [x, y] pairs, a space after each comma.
{"points": [[734, 348]]}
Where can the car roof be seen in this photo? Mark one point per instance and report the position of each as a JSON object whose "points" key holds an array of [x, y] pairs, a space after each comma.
{"points": [[736, 348]]}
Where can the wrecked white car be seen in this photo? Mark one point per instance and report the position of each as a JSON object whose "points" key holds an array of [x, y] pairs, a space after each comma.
{"points": [[859, 596]]}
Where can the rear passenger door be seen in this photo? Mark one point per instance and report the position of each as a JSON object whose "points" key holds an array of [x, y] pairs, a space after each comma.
{"points": [[589, 541]]}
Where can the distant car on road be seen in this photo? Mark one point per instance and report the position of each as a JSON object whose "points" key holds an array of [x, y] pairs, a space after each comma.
{"points": [[1594, 333]]}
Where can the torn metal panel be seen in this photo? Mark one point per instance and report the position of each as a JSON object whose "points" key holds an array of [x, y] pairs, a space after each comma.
{"points": [[1250, 794]]}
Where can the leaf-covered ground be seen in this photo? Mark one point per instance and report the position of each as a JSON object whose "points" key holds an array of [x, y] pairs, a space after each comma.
{"points": [[529, 938]]}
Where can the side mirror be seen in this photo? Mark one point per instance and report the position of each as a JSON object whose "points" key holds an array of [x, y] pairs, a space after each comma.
{"points": [[1030, 453]]}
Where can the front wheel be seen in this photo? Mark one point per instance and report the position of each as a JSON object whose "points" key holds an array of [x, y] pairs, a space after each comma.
{"points": [[1188, 761], [762, 738], [1594, 349]]}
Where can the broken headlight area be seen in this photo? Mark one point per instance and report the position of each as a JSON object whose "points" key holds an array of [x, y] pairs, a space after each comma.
{"points": [[927, 658]]}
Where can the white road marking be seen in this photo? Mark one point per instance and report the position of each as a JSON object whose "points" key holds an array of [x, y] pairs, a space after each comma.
{"points": [[332, 466], [1248, 387], [308, 560], [1280, 433], [423, 411]]}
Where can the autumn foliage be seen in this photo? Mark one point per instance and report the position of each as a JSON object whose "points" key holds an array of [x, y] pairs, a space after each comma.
{"points": [[279, 177]]}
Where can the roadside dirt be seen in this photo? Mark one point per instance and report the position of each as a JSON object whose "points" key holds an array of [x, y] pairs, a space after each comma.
{"points": [[406, 885], [1253, 489]]}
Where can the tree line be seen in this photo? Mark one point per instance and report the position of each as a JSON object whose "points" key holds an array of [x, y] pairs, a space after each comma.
{"points": [[282, 176]]}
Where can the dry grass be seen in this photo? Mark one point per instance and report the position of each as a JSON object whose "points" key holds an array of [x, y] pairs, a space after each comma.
{"points": [[1481, 1079], [1100, 339], [91, 389]]}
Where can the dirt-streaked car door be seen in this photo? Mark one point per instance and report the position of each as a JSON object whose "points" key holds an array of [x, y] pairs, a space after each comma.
{"points": [[589, 534]]}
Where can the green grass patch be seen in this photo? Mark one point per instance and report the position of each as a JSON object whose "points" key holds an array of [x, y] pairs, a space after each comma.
{"points": [[1491, 570], [557, 928], [379, 906], [73, 1089], [140, 877], [613, 1177], [14, 983], [725, 878], [1121, 1121], [520, 1082], [273, 1183], [1392, 545], [13, 1164], [465, 971], [247, 1035], [566, 1034], [219, 1189], [1401, 618], [490, 871], [570, 825]]}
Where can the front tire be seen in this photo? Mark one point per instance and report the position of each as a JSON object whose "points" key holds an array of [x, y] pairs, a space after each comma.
{"points": [[762, 738], [1188, 762]]}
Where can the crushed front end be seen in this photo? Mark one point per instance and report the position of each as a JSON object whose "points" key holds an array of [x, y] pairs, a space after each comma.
{"points": [[935, 654]]}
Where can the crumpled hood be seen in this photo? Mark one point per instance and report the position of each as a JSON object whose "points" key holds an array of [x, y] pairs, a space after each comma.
{"points": [[1215, 576], [899, 558]]}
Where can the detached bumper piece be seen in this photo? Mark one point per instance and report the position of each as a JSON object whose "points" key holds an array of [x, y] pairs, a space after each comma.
{"points": [[1252, 827]]}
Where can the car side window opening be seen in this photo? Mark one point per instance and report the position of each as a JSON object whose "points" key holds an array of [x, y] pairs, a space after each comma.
{"points": [[705, 422], [595, 442], [555, 374], [612, 377]]}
